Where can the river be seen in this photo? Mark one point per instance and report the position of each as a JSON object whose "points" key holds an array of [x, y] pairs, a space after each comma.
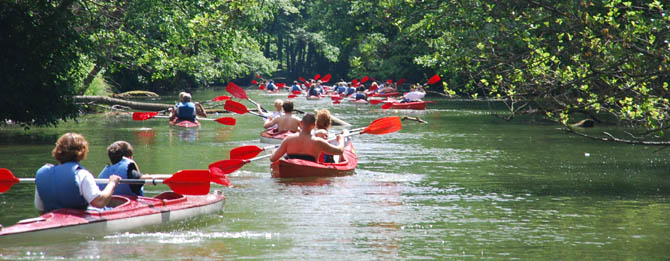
{"points": [[465, 185]]}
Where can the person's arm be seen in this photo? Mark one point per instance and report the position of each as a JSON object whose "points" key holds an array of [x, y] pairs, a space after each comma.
{"points": [[39, 204], [332, 149], [278, 153], [271, 123], [173, 113], [200, 110], [92, 193]]}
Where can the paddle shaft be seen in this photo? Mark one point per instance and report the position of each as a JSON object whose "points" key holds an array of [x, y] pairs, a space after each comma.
{"points": [[105, 181], [167, 117]]}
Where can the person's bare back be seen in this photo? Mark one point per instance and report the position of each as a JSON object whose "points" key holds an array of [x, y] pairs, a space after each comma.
{"points": [[305, 144], [286, 122]]}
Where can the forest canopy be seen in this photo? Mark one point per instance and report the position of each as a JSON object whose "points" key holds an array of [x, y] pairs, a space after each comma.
{"points": [[563, 60]]}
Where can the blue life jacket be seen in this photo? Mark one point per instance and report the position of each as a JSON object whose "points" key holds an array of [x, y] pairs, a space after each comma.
{"points": [[186, 111], [271, 87], [360, 96], [58, 187], [295, 88], [341, 89], [120, 169], [314, 92], [351, 90]]}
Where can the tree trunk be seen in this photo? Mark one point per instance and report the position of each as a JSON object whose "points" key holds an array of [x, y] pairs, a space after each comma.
{"points": [[280, 45], [144, 106], [89, 78]]}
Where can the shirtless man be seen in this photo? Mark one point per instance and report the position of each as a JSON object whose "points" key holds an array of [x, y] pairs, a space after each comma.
{"points": [[286, 122], [305, 146]]}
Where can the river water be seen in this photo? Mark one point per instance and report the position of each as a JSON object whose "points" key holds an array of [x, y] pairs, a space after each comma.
{"points": [[465, 185]]}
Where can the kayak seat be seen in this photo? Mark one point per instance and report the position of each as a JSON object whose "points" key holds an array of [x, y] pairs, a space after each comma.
{"points": [[171, 197], [117, 201]]}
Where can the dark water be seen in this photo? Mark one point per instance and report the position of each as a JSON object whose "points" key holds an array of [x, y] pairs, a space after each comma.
{"points": [[465, 185]]}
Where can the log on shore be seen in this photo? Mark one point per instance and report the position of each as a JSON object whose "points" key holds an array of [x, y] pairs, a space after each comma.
{"points": [[144, 106]]}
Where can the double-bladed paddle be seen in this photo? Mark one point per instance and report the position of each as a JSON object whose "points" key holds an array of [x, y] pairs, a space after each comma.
{"points": [[188, 182], [238, 108], [142, 116], [239, 93], [243, 155]]}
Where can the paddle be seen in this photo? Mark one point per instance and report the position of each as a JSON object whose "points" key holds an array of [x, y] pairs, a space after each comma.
{"points": [[238, 108], [387, 105], [375, 102], [433, 79], [188, 182], [291, 96], [326, 78], [142, 116], [365, 79], [373, 88], [239, 93], [221, 98], [241, 155], [317, 76]]}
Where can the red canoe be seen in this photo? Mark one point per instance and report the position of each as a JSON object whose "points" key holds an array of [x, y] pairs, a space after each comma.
{"points": [[297, 168], [419, 105], [129, 213], [185, 124], [273, 137], [386, 94]]}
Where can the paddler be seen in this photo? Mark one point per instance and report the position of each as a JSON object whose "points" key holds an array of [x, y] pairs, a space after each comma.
{"points": [[120, 154], [360, 94], [323, 123], [296, 87], [271, 86], [186, 110], [269, 116], [68, 184], [416, 93], [304, 145], [286, 122]]}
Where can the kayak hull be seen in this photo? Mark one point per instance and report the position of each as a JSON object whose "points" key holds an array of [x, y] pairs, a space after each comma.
{"points": [[129, 213], [297, 168], [185, 124], [272, 137], [420, 105]]}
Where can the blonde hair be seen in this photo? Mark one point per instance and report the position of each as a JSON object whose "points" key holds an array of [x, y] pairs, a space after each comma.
{"points": [[278, 104], [70, 147], [323, 119]]}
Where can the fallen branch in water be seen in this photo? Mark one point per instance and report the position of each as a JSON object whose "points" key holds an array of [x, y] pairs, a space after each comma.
{"points": [[417, 119]]}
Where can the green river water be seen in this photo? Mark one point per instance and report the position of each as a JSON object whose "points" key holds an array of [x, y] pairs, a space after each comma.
{"points": [[467, 185]]}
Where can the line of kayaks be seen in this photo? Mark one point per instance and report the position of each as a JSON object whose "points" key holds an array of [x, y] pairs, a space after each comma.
{"points": [[128, 213]]}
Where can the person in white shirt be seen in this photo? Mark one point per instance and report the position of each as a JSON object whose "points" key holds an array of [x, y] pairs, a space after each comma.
{"points": [[415, 94], [269, 116]]}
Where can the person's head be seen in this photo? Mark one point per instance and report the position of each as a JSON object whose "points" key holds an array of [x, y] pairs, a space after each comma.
{"points": [[295, 82], [70, 147], [279, 104], [186, 97], [323, 119], [181, 95], [288, 106], [119, 149], [374, 84], [307, 122]]}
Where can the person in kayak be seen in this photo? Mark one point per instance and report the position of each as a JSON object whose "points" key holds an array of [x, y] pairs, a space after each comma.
{"points": [[269, 116], [340, 89], [120, 154], [271, 86], [314, 90], [286, 122], [186, 110], [304, 145], [68, 184], [351, 90], [416, 93], [323, 123], [387, 89], [296, 87]]}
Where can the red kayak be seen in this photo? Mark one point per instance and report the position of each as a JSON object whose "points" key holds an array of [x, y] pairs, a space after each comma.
{"points": [[272, 136], [418, 105], [185, 124], [386, 94], [297, 168], [128, 213]]}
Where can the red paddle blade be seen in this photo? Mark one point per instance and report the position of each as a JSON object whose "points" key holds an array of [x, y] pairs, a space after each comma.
{"points": [[281, 85], [7, 179], [235, 107], [337, 101], [401, 81], [258, 76], [374, 87], [335, 98], [301, 79], [261, 87], [387, 105], [375, 102], [317, 76], [389, 81], [189, 182], [326, 78], [226, 121], [220, 178], [297, 92], [434, 79], [254, 82], [291, 96], [384, 125], [142, 116], [221, 98], [226, 166], [365, 79], [236, 91], [245, 152]]}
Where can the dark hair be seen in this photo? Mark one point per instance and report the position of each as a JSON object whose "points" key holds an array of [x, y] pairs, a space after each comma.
{"points": [[118, 150], [288, 106], [309, 118], [70, 147]]}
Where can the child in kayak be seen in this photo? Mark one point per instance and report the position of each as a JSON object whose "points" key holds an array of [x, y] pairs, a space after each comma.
{"points": [[286, 122], [68, 184], [304, 145], [269, 116], [186, 110], [322, 124], [120, 154]]}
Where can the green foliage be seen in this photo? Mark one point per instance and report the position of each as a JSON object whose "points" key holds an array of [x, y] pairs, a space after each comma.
{"points": [[40, 61]]}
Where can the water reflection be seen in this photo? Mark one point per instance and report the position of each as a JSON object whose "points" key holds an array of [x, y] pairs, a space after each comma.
{"points": [[315, 181], [183, 134], [144, 136]]}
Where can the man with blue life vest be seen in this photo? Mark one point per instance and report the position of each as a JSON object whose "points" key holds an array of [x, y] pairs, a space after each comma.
{"points": [[340, 89], [351, 90], [186, 110], [360, 94], [121, 156], [296, 87], [313, 90], [68, 184], [271, 86]]}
